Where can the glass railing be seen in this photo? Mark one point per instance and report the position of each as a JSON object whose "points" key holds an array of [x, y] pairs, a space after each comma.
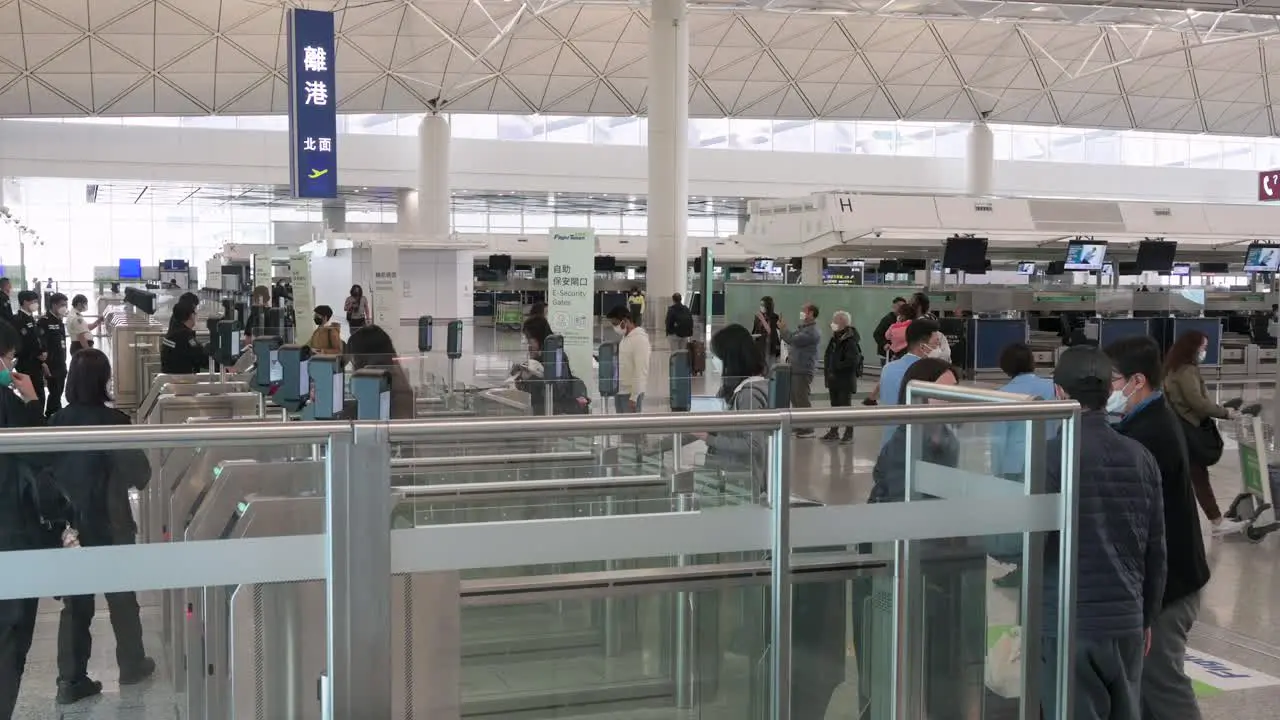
{"points": [[614, 575]]}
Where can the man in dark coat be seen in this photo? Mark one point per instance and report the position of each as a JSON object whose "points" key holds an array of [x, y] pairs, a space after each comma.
{"points": [[841, 364], [1137, 377]]}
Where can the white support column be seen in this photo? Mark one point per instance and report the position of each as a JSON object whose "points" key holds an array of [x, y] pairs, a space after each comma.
{"points": [[407, 211], [980, 160], [811, 270], [433, 177], [667, 250]]}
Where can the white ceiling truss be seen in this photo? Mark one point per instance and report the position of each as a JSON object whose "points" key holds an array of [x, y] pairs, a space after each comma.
{"points": [[1149, 65]]}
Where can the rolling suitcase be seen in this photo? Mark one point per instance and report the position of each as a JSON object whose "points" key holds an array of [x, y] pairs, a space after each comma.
{"points": [[697, 358]]}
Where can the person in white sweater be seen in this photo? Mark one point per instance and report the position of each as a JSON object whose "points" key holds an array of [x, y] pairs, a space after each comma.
{"points": [[633, 361]]}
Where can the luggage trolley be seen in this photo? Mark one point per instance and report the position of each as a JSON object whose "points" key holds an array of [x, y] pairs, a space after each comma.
{"points": [[1260, 473]]}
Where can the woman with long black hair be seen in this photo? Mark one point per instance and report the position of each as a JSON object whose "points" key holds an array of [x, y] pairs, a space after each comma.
{"points": [[736, 356], [1185, 387], [356, 308], [764, 328], [98, 484]]}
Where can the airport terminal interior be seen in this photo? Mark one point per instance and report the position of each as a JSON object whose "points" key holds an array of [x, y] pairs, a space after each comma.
{"points": [[460, 264]]}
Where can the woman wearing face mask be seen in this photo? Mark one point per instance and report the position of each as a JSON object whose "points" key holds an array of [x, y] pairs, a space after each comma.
{"points": [[735, 355], [356, 308], [1184, 386], [569, 395], [327, 337], [764, 328]]}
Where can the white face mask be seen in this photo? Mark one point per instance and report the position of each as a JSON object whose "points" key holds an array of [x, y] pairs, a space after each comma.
{"points": [[1117, 401], [762, 309], [935, 352], [804, 317], [717, 365], [1200, 356], [618, 329], [60, 312], [835, 328]]}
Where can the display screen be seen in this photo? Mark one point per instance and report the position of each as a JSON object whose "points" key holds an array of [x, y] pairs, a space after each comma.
{"points": [[1156, 255], [965, 254], [130, 269], [1262, 258], [304, 379], [762, 266], [706, 403], [1181, 269], [1026, 268], [1085, 256], [277, 370], [384, 405], [174, 265], [235, 344], [339, 393]]}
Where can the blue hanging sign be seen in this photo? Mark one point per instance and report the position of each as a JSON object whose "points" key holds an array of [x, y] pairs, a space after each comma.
{"points": [[313, 111]]}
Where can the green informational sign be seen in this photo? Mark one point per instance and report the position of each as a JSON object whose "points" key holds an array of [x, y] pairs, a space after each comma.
{"points": [[1251, 470]]}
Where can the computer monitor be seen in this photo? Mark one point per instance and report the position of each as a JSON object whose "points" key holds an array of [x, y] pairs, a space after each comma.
{"points": [[1156, 255], [1085, 256], [1262, 258], [762, 266], [965, 254], [130, 269], [1026, 268], [1181, 269]]}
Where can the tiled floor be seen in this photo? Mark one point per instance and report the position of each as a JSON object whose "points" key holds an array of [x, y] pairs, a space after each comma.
{"points": [[1239, 621]]}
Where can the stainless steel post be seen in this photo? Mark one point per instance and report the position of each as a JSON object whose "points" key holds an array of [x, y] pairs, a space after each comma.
{"points": [[1034, 463], [358, 573], [1067, 567], [780, 571], [612, 628], [908, 636], [686, 612]]}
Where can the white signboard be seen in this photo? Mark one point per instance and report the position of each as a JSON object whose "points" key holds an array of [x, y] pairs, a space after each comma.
{"points": [[387, 290], [261, 270], [304, 298], [571, 290]]}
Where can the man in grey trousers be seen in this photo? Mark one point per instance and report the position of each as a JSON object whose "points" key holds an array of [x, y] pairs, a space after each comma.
{"points": [[1120, 551], [1167, 693], [805, 342]]}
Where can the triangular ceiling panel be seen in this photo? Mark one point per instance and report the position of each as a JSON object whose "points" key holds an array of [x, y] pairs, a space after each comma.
{"points": [[37, 21], [75, 12], [45, 101], [14, 99], [171, 101], [71, 60], [77, 88], [107, 88]]}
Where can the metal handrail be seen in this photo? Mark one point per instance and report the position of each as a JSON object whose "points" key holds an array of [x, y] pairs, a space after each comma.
{"points": [[517, 488], [508, 428], [428, 463]]}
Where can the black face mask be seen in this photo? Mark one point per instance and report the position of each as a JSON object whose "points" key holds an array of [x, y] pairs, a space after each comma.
{"points": [[318, 320]]}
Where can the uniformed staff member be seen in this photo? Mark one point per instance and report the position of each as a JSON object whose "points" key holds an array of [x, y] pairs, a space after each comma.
{"points": [[180, 352], [53, 335], [6, 310], [189, 299], [79, 331], [31, 356], [19, 521]]}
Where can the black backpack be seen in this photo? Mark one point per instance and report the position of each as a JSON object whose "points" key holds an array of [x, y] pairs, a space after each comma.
{"points": [[684, 322]]}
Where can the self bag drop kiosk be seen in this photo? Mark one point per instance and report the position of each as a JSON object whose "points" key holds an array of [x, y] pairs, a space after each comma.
{"points": [[267, 372], [372, 391], [295, 383]]}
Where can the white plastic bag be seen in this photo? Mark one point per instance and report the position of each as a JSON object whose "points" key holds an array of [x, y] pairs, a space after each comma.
{"points": [[1004, 665]]}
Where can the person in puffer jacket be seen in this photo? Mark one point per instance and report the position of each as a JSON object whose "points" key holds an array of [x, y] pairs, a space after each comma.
{"points": [[1121, 557]]}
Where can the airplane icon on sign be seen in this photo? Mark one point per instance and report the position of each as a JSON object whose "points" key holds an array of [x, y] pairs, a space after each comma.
{"points": [[318, 173]]}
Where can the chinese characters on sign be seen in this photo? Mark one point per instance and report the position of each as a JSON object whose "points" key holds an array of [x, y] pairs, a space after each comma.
{"points": [[313, 119], [571, 293], [385, 261]]}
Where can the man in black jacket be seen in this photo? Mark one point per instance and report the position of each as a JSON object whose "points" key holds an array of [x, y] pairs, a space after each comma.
{"points": [[31, 356], [180, 352], [882, 329], [1136, 380], [53, 337], [19, 528], [6, 310], [679, 324], [1120, 551], [840, 366]]}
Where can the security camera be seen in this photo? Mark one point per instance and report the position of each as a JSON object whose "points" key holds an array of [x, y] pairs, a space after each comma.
{"points": [[877, 233]]}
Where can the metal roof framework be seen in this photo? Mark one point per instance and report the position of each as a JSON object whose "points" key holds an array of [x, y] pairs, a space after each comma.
{"points": [[1207, 67]]}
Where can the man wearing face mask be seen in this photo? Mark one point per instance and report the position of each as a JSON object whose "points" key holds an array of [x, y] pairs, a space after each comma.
{"points": [[921, 343], [19, 526], [327, 337], [1120, 550], [841, 364], [804, 342], [1143, 413], [53, 335], [633, 361], [31, 357]]}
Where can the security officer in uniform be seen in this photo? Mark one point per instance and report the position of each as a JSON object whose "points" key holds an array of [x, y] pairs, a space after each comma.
{"points": [[180, 352], [6, 310], [54, 336], [19, 520], [31, 356]]}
